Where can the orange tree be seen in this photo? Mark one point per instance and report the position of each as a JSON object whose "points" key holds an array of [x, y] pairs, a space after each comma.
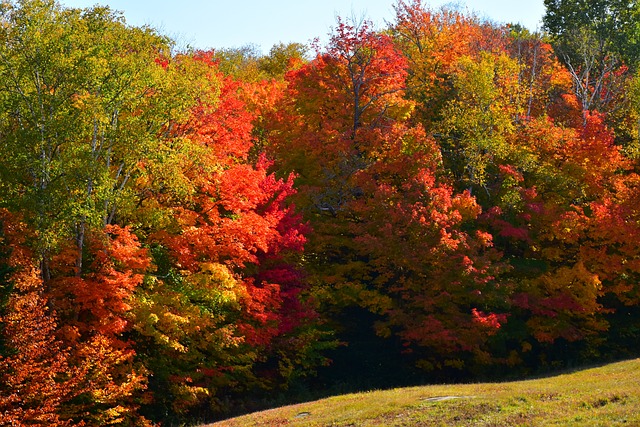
{"points": [[389, 234], [223, 316]]}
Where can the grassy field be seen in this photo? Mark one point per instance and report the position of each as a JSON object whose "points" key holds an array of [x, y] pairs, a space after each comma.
{"points": [[603, 396]]}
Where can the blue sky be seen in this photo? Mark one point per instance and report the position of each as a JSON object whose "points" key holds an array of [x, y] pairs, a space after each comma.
{"points": [[235, 23]]}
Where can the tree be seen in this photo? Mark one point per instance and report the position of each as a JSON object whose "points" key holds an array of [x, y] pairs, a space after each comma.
{"points": [[36, 378], [281, 58], [388, 234], [551, 201], [416, 263], [612, 24], [95, 311], [365, 75], [225, 304], [432, 42], [480, 118], [598, 41], [546, 84], [85, 100], [242, 63]]}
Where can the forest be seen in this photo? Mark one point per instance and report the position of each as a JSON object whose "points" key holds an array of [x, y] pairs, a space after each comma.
{"points": [[186, 235]]}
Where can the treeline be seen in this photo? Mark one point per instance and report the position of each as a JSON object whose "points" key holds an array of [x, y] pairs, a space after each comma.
{"points": [[183, 234]]}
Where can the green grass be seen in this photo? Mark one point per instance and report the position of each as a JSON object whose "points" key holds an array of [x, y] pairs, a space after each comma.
{"points": [[603, 396]]}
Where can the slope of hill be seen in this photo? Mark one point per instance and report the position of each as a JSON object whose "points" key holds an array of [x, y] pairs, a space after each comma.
{"points": [[604, 396]]}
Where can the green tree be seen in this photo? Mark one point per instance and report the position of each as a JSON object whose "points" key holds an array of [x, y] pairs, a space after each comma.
{"points": [[240, 62], [480, 119], [85, 100], [281, 58], [596, 40]]}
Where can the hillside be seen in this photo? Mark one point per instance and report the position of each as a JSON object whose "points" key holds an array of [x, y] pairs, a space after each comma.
{"points": [[602, 396]]}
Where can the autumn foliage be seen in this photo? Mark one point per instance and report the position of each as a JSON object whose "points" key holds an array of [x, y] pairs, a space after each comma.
{"points": [[36, 375], [186, 234]]}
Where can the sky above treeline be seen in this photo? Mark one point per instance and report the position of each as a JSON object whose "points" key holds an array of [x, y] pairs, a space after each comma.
{"points": [[233, 23]]}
